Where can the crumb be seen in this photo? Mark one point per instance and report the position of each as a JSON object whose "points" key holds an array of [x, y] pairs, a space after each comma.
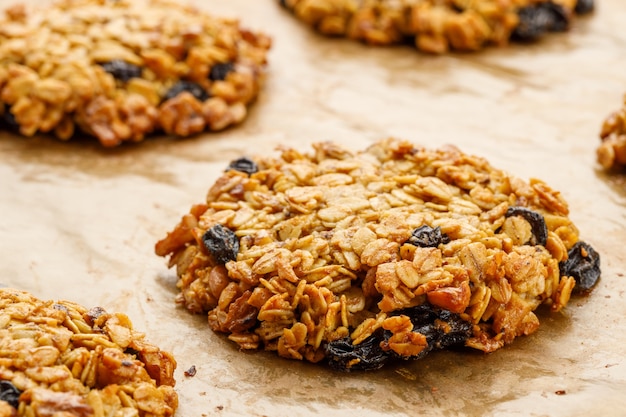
{"points": [[191, 371]]}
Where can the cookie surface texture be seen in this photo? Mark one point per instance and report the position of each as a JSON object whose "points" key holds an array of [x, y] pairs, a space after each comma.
{"points": [[392, 252], [121, 70], [59, 358], [436, 26], [611, 153]]}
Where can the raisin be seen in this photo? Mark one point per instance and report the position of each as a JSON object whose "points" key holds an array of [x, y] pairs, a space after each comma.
{"points": [[219, 71], [9, 393], [8, 119], [427, 237], [194, 88], [132, 352], [537, 223], [121, 69], [441, 328], [452, 330], [243, 165], [584, 6], [222, 243], [583, 263], [366, 356], [560, 17], [538, 19], [457, 8]]}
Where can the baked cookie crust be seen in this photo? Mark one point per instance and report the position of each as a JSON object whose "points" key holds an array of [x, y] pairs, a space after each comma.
{"points": [[359, 258], [436, 26], [122, 69], [611, 153], [59, 358]]}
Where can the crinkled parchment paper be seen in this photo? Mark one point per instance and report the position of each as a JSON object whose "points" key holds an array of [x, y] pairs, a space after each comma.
{"points": [[79, 222]]}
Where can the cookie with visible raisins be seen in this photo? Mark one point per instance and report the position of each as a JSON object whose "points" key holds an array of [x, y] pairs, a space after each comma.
{"points": [[436, 26], [120, 70], [356, 259], [59, 358]]}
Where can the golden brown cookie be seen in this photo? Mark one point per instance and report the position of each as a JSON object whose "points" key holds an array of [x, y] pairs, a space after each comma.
{"points": [[122, 69], [437, 26], [61, 359], [611, 153], [391, 252]]}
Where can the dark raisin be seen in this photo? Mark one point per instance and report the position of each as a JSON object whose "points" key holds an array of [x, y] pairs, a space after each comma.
{"points": [[366, 356], [8, 119], [538, 19], [9, 393], [560, 17], [194, 88], [132, 352], [219, 71], [583, 263], [537, 223], [427, 237], [222, 243], [584, 6], [533, 22], [121, 70], [457, 8], [441, 328], [243, 165]]}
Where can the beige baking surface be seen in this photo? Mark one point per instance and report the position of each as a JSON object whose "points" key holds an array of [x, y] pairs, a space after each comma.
{"points": [[78, 222]]}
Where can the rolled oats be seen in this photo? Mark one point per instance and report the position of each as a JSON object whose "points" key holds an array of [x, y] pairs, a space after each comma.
{"points": [[122, 69], [58, 358], [437, 26], [389, 252]]}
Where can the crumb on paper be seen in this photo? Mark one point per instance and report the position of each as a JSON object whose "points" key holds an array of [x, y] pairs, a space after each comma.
{"points": [[191, 371]]}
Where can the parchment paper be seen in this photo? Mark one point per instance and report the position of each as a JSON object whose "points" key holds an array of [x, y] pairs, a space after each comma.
{"points": [[79, 222]]}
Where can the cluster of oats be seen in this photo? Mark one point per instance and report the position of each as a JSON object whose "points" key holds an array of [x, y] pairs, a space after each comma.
{"points": [[435, 26], [324, 248], [122, 69], [612, 151], [60, 359]]}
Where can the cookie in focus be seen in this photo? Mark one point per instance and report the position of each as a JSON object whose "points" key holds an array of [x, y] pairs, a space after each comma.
{"points": [[359, 258]]}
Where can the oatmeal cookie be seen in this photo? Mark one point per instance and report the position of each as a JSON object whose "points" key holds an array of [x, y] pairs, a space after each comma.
{"points": [[61, 359], [122, 69], [437, 26], [612, 150], [359, 258]]}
